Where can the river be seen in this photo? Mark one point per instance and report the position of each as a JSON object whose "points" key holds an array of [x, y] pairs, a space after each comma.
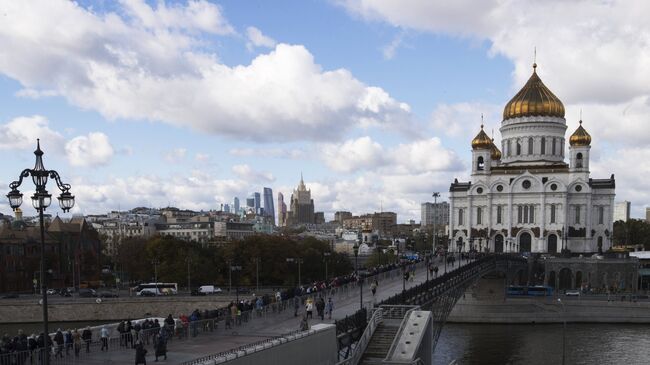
{"points": [[600, 344]]}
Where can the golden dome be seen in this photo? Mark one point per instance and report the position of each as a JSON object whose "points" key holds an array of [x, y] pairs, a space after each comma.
{"points": [[495, 153], [481, 141], [580, 137], [534, 99]]}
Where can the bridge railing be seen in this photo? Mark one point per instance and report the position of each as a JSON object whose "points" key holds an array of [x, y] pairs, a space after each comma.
{"points": [[362, 344]]}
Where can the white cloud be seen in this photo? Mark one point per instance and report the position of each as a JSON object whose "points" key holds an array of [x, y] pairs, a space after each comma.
{"points": [[202, 157], [246, 173], [353, 155], [153, 63], [390, 49], [22, 132], [293, 153], [415, 157], [91, 150], [257, 39], [176, 155], [463, 120], [35, 94]]}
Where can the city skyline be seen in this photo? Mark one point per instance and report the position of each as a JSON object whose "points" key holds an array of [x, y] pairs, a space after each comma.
{"points": [[381, 116]]}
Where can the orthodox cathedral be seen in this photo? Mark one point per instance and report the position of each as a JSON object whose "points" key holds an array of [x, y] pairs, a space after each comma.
{"points": [[528, 198]]}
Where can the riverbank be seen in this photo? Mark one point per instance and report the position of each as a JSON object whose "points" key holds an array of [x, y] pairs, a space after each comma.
{"points": [[548, 310], [110, 309]]}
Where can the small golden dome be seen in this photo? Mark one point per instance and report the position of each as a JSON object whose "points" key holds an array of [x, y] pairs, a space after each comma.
{"points": [[580, 137], [481, 141], [495, 153], [534, 99]]}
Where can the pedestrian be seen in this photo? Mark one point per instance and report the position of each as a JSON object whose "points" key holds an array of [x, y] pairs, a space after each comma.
{"points": [[58, 339], [373, 287], [104, 337], [140, 354], [161, 347], [76, 340], [309, 307], [137, 328], [304, 323], [32, 345], [67, 339], [121, 329], [87, 336], [169, 325], [329, 307], [320, 308], [296, 306], [128, 329]]}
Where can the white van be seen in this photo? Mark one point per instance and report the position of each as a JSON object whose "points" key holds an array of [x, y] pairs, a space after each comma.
{"points": [[209, 289]]}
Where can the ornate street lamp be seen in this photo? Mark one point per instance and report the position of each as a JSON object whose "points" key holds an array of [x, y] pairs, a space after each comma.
{"points": [[41, 200], [356, 270]]}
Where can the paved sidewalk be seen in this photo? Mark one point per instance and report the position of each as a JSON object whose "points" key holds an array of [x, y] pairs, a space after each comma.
{"points": [[259, 328]]}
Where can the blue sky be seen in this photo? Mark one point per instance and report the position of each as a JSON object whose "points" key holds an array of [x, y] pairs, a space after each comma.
{"points": [[191, 103]]}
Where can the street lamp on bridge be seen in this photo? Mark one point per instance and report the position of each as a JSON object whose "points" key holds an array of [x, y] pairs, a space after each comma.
{"points": [[356, 271], [40, 201]]}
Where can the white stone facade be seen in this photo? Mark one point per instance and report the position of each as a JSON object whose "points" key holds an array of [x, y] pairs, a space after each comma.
{"points": [[529, 199]]}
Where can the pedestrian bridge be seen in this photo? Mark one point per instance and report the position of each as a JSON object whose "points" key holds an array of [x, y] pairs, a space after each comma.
{"points": [[404, 329]]}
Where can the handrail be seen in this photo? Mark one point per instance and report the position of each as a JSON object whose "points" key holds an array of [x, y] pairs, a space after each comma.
{"points": [[393, 345], [375, 320]]}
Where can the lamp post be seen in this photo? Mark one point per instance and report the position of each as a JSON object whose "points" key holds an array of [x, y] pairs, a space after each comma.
{"points": [[235, 268], [188, 259], [435, 195], [326, 256], [563, 330], [155, 262], [299, 261], [40, 201], [356, 270]]}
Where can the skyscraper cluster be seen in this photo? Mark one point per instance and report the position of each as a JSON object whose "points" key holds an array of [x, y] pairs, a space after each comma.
{"points": [[256, 203]]}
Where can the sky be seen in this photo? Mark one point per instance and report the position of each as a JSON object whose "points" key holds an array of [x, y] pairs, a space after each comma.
{"points": [[192, 103]]}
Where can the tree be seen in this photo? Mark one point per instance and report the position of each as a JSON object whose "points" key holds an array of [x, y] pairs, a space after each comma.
{"points": [[632, 232]]}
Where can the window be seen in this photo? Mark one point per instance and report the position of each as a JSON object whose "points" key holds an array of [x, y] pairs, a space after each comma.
{"points": [[553, 213], [499, 188], [553, 147], [526, 184], [518, 148], [520, 217], [532, 214], [479, 191], [577, 221], [508, 149], [530, 146], [460, 217], [543, 146], [525, 213], [578, 188], [579, 160], [553, 187], [498, 214], [478, 215], [601, 215], [480, 164]]}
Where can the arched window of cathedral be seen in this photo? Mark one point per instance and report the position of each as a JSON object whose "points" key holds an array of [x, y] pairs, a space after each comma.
{"points": [[553, 147], [460, 217], [499, 214], [530, 146], [601, 215], [525, 213], [479, 215], [577, 221], [520, 214], [532, 214], [543, 146], [480, 164], [518, 148], [552, 213], [579, 160], [509, 151]]}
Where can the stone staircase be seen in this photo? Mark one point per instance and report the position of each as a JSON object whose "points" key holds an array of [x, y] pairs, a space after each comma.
{"points": [[379, 344]]}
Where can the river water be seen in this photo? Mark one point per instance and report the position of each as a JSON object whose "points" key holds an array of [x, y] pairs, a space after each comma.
{"points": [[600, 344]]}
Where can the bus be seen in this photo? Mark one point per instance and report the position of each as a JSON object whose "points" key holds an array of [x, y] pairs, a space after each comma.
{"points": [[156, 288], [529, 291]]}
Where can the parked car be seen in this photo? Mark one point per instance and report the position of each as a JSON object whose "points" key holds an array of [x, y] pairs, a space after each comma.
{"points": [[10, 296], [65, 292], [87, 293], [107, 294], [147, 293], [52, 291], [572, 293], [208, 289]]}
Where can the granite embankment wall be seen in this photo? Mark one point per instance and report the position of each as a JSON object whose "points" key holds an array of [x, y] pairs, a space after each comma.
{"points": [[25, 311], [522, 311]]}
